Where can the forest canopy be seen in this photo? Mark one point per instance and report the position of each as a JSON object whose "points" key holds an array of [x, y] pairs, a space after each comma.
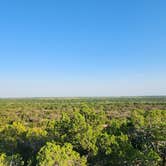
{"points": [[83, 131]]}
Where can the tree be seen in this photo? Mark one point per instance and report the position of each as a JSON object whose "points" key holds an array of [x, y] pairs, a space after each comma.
{"points": [[14, 160], [75, 130], [146, 130], [54, 155]]}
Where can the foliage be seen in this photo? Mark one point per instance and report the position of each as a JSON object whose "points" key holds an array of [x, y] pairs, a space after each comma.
{"points": [[52, 154], [14, 160], [83, 131]]}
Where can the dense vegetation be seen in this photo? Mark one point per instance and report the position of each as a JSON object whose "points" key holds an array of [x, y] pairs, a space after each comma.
{"points": [[83, 131]]}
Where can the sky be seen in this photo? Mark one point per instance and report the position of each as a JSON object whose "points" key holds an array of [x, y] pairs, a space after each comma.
{"points": [[62, 48]]}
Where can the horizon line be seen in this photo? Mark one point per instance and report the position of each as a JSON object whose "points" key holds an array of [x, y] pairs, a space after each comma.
{"points": [[65, 97]]}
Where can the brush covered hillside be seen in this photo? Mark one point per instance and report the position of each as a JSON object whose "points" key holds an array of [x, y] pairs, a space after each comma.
{"points": [[83, 132]]}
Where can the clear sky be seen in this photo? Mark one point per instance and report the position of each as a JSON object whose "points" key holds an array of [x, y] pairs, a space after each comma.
{"points": [[82, 48]]}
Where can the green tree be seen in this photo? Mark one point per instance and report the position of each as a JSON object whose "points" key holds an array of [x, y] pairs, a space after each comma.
{"points": [[14, 160], [52, 154], [146, 130]]}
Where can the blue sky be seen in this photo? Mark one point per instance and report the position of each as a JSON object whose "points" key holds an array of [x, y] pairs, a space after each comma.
{"points": [[82, 48]]}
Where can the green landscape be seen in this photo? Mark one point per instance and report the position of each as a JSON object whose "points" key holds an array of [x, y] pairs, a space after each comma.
{"points": [[121, 131], [83, 83]]}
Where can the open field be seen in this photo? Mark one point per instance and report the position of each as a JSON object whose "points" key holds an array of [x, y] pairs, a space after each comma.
{"points": [[83, 131]]}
